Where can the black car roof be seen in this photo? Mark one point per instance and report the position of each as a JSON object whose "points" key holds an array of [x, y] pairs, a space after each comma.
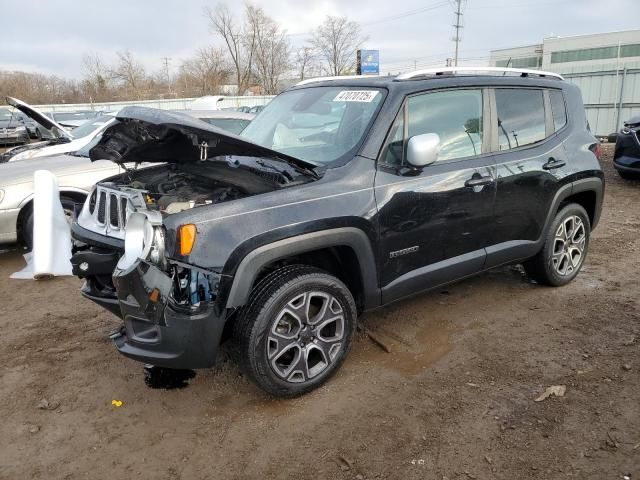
{"points": [[419, 84]]}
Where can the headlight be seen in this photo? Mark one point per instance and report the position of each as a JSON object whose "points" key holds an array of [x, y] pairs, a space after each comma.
{"points": [[143, 239], [21, 129]]}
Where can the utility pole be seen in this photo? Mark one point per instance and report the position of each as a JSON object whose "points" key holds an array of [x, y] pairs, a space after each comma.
{"points": [[458, 27]]}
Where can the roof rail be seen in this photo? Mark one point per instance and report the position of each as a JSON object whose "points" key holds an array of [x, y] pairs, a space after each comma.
{"points": [[494, 70], [339, 77]]}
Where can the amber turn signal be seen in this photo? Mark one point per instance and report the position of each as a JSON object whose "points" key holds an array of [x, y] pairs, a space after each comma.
{"points": [[187, 238]]}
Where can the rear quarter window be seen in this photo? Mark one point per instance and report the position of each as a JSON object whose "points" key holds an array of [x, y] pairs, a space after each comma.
{"points": [[558, 109]]}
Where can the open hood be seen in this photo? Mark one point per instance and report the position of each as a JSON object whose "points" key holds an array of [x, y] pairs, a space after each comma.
{"points": [[38, 116], [143, 134]]}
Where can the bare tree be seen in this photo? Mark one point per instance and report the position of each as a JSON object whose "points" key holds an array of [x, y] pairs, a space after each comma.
{"points": [[240, 40], [96, 77], [272, 50], [306, 62], [129, 72], [207, 70], [336, 42]]}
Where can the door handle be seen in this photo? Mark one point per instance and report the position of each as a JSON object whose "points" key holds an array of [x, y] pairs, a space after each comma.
{"points": [[554, 163], [478, 181]]}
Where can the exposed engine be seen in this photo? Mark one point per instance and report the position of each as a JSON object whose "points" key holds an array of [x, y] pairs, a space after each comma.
{"points": [[179, 191], [172, 188]]}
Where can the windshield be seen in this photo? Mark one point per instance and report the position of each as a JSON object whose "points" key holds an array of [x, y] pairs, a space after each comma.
{"points": [[233, 125], [91, 126], [319, 124]]}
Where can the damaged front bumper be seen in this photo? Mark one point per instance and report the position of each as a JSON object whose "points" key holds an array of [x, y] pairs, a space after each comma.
{"points": [[169, 321]]}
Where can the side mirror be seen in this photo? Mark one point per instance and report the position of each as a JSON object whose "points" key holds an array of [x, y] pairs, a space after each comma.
{"points": [[422, 150]]}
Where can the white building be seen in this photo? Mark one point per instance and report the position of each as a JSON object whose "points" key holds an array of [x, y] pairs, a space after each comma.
{"points": [[605, 66]]}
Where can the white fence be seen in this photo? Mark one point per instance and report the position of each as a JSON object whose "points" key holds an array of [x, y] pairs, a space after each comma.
{"points": [[165, 104]]}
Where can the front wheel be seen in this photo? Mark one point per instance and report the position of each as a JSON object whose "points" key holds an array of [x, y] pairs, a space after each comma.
{"points": [[564, 250], [296, 330]]}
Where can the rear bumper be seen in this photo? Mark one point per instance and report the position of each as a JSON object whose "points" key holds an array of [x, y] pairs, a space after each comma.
{"points": [[627, 164]]}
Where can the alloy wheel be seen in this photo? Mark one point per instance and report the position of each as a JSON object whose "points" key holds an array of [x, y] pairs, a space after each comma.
{"points": [[568, 246], [306, 336]]}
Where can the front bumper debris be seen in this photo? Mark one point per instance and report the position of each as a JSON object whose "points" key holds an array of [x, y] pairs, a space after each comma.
{"points": [[169, 322]]}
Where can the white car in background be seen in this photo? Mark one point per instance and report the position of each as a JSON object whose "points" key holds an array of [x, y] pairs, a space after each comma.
{"points": [[64, 141]]}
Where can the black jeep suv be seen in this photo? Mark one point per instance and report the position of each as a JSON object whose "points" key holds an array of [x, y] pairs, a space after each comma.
{"points": [[343, 195]]}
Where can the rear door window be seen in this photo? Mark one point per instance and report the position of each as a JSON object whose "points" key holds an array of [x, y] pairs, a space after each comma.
{"points": [[520, 117]]}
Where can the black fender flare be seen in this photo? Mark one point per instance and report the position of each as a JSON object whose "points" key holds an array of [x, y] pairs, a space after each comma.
{"points": [[250, 266]]}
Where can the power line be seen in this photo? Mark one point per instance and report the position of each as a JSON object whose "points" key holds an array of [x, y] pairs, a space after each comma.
{"points": [[398, 16]]}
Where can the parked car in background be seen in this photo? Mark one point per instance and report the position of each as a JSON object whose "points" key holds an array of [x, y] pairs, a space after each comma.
{"points": [[12, 130], [73, 119], [256, 109], [626, 158], [230, 120], [76, 176], [63, 140], [282, 236]]}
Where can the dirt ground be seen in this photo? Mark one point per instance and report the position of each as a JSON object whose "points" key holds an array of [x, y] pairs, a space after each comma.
{"points": [[453, 400]]}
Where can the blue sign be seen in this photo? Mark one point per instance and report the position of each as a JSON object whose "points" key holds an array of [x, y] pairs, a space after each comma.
{"points": [[369, 62]]}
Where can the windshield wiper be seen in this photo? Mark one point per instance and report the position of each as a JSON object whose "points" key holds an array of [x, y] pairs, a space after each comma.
{"points": [[299, 168]]}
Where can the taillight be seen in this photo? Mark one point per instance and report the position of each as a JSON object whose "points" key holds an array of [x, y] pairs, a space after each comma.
{"points": [[186, 238], [598, 151]]}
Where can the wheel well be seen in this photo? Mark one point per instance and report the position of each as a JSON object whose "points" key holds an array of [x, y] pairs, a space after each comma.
{"points": [[76, 197], [340, 261], [586, 200]]}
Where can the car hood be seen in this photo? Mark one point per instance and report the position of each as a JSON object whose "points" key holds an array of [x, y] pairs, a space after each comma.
{"points": [[149, 135], [38, 116]]}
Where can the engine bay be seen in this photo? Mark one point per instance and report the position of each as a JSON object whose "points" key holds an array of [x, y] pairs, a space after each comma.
{"points": [[177, 191]]}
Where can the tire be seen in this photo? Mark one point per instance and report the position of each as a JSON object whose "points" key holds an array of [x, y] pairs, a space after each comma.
{"points": [[561, 259], [280, 347], [27, 222], [629, 175]]}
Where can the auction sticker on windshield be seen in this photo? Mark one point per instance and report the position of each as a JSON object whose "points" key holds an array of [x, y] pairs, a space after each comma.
{"points": [[365, 96]]}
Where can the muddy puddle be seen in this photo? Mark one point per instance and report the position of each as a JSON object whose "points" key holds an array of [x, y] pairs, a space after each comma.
{"points": [[421, 344]]}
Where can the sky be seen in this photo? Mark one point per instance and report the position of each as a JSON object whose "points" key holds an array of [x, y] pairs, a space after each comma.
{"points": [[51, 36]]}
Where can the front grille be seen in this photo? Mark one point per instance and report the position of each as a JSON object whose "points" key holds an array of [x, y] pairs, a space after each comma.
{"points": [[114, 216], [123, 211], [105, 211], [92, 202], [102, 207]]}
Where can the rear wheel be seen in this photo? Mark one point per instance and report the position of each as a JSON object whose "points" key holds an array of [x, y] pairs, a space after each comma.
{"points": [[296, 330], [629, 175], [564, 250], [27, 222]]}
